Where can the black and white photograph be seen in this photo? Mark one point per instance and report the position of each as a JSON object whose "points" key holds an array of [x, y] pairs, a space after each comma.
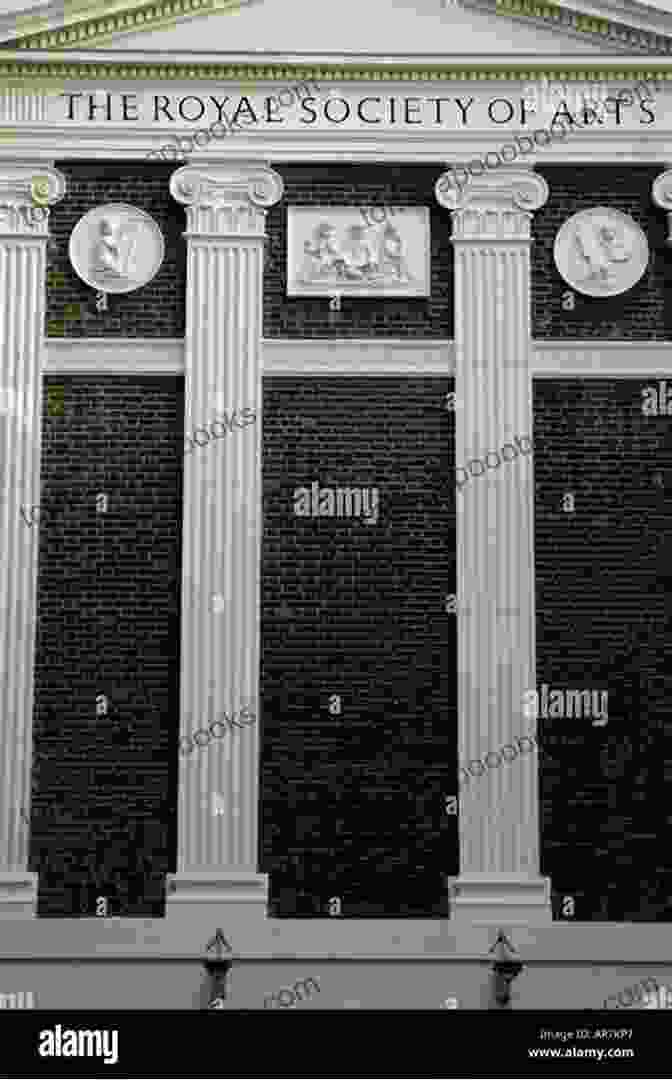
{"points": [[300, 709]]}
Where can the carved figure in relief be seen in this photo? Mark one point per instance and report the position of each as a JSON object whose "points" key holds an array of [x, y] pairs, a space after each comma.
{"points": [[366, 253], [114, 252], [324, 254], [600, 246], [360, 257], [392, 253]]}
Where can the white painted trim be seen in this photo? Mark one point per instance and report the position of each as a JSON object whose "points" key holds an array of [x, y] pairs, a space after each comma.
{"points": [[53, 15], [114, 356], [537, 61], [141, 356], [355, 357], [48, 142], [96, 940], [602, 359], [641, 16]]}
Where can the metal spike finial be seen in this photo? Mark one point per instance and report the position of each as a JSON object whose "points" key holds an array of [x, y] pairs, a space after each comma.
{"points": [[504, 943], [218, 942]]}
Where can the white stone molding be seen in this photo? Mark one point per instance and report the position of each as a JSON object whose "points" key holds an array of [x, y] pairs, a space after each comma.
{"points": [[217, 854], [22, 308], [358, 357], [499, 815], [602, 359], [78, 142], [114, 356], [406, 941], [292, 357]]}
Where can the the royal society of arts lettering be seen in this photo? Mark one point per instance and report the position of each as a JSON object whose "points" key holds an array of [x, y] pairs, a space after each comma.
{"points": [[449, 112]]}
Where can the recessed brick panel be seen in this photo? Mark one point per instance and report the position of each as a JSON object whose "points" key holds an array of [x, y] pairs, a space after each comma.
{"points": [[353, 804], [643, 313], [157, 310], [359, 185], [104, 798], [604, 580]]}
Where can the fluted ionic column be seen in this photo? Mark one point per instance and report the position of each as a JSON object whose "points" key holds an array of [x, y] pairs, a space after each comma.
{"points": [[25, 194], [221, 538], [499, 816]]}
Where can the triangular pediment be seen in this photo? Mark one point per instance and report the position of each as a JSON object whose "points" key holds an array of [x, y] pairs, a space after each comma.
{"points": [[338, 31], [382, 27]]}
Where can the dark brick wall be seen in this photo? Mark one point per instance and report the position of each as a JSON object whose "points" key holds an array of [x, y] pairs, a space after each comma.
{"points": [[644, 313], [353, 804], [156, 310], [340, 184], [105, 787], [603, 620]]}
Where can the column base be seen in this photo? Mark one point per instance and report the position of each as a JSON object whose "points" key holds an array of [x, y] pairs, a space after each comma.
{"points": [[18, 894], [502, 899], [238, 896]]}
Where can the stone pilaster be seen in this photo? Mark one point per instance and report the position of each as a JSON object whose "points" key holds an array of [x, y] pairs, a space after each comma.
{"points": [[26, 190], [499, 816], [221, 538]]}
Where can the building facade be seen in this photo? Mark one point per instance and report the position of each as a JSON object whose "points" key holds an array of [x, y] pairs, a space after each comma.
{"points": [[334, 451]]}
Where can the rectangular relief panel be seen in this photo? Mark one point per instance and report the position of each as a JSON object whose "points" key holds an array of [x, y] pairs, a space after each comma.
{"points": [[358, 251]]}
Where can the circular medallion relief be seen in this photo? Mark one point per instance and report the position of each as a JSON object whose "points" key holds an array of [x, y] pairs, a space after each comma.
{"points": [[601, 252], [116, 248]]}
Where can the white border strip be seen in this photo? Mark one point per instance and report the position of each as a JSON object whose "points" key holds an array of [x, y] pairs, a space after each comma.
{"points": [[354, 356], [601, 358], [114, 356], [359, 357], [140, 356]]}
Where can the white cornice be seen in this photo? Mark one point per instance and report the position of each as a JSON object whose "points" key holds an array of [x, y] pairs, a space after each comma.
{"points": [[537, 61], [617, 27], [640, 16], [97, 20], [45, 143]]}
